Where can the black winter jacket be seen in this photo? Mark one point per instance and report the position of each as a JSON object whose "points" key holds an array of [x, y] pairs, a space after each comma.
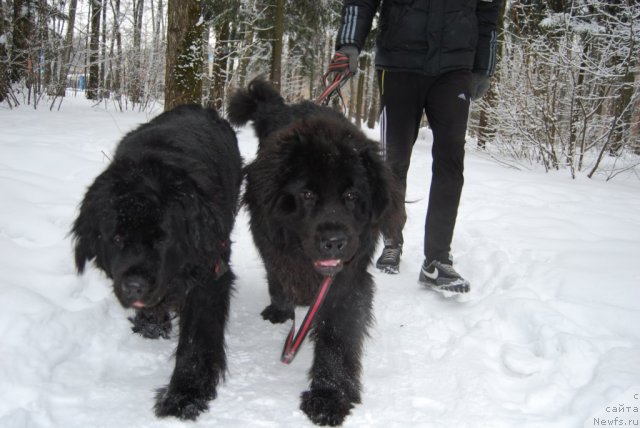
{"points": [[427, 36]]}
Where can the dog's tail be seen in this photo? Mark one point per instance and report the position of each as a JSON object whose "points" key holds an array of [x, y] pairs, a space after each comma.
{"points": [[244, 103]]}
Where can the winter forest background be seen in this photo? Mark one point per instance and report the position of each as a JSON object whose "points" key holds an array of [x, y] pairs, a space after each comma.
{"points": [[549, 335], [566, 94]]}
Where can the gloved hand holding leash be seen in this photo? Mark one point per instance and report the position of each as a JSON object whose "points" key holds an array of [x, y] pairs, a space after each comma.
{"points": [[343, 65]]}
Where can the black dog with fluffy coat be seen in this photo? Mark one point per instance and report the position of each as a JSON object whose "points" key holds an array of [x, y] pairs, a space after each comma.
{"points": [[317, 193], [157, 221]]}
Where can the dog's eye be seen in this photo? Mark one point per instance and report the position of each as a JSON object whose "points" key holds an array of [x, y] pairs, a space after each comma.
{"points": [[117, 239], [350, 196], [308, 195]]}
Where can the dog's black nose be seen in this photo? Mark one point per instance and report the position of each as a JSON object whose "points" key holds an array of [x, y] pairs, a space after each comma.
{"points": [[333, 245], [134, 288]]}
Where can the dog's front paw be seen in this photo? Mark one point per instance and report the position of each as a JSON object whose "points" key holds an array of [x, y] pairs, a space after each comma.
{"points": [[277, 315], [150, 325], [183, 405], [325, 407]]}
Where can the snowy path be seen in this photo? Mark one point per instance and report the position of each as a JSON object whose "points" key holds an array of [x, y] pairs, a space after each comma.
{"points": [[548, 337]]}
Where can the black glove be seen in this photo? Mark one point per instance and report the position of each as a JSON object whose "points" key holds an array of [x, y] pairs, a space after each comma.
{"points": [[345, 58], [480, 84]]}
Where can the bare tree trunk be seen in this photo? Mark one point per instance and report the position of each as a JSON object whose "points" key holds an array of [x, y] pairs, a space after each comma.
{"points": [[360, 95], [103, 48], [67, 50], [219, 72], [114, 83], [156, 58], [352, 100], [622, 110], [232, 56], [244, 55], [485, 130], [183, 77], [483, 136], [278, 33], [23, 31], [374, 106], [4, 57], [135, 73], [576, 115], [94, 48], [45, 57], [634, 131]]}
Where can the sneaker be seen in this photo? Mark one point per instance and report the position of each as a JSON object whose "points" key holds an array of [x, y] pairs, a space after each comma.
{"points": [[442, 277], [389, 260]]}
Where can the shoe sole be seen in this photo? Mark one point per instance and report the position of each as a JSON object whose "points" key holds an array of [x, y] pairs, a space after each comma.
{"points": [[456, 289], [391, 270]]}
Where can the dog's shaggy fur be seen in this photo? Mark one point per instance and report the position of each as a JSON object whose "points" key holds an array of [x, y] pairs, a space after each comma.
{"points": [[317, 193], [157, 221]]}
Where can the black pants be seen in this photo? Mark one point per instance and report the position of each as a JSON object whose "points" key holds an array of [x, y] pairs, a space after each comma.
{"points": [[445, 100]]}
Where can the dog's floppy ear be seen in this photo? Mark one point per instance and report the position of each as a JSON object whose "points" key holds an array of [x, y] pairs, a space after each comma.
{"points": [[263, 191], [384, 193], [199, 227], [83, 252], [85, 230], [205, 229], [94, 210], [263, 174]]}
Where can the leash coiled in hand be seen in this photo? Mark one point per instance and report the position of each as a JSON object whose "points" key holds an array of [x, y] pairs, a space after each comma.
{"points": [[337, 75]]}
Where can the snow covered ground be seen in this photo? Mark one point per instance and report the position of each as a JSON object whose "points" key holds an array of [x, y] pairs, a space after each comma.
{"points": [[548, 337]]}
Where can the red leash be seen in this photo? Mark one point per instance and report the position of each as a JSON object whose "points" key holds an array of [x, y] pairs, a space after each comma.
{"points": [[293, 342], [341, 74]]}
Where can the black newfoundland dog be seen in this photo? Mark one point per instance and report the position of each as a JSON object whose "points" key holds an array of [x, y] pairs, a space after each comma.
{"points": [[157, 222], [317, 194]]}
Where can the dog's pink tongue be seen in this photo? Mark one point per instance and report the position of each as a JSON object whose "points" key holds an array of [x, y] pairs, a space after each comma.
{"points": [[328, 263], [138, 304]]}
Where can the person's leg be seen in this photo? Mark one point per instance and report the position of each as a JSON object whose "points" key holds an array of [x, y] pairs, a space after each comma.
{"points": [[447, 109], [402, 98]]}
